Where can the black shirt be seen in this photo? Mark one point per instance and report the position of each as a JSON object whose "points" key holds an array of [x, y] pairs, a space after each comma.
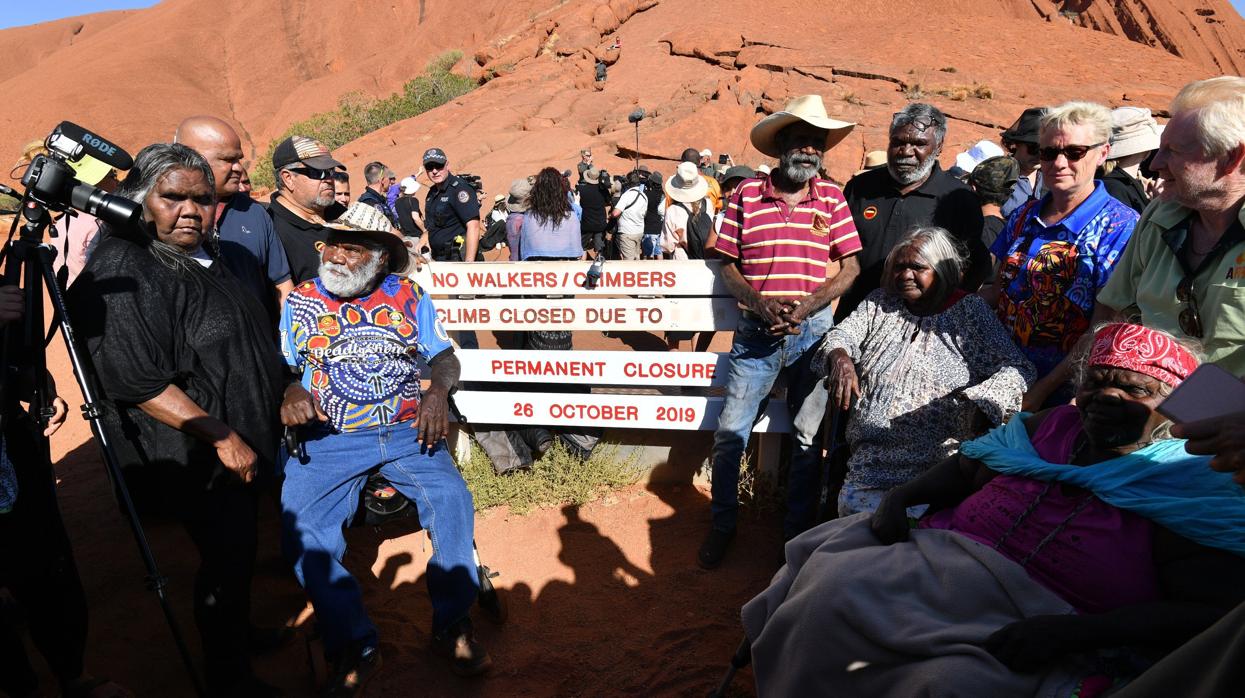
{"points": [[592, 200], [378, 202], [406, 205], [883, 216], [149, 326], [302, 240], [1128, 190], [450, 206]]}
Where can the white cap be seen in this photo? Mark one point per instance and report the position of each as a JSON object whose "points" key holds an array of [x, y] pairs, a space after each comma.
{"points": [[974, 156], [706, 153], [409, 185]]}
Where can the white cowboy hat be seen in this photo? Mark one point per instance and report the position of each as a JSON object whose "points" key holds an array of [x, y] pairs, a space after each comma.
{"points": [[808, 109], [686, 185]]}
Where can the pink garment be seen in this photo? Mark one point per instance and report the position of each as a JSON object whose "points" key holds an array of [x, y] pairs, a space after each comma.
{"points": [[1100, 561], [73, 235]]}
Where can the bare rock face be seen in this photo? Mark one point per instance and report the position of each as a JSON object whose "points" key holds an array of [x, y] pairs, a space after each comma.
{"points": [[703, 73]]}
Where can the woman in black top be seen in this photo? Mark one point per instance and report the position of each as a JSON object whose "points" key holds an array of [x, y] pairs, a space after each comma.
{"points": [[193, 383]]}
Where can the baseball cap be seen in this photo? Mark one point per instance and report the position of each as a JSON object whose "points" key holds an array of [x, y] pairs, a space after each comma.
{"points": [[89, 170], [409, 185], [996, 175], [303, 150], [706, 153], [435, 155]]}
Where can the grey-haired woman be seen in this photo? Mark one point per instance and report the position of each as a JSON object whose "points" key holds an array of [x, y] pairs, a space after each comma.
{"points": [[929, 364], [193, 381]]}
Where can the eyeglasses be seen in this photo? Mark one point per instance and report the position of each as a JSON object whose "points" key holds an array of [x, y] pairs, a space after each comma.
{"points": [[1072, 152], [433, 166], [312, 173], [1190, 319]]}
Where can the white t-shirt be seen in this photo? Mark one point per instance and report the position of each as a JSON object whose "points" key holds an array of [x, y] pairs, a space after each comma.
{"points": [[675, 219], [633, 204]]}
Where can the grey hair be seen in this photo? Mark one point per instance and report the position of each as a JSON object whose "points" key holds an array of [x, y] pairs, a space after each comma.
{"points": [[919, 111], [373, 172], [157, 160], [150, 166], [941, 252], [1091, 114]]}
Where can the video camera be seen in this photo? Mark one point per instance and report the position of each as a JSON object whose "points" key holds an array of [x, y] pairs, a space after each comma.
{"points": [[50, 181], [474, 181]]}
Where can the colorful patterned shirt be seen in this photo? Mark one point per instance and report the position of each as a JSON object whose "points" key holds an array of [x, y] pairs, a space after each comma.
{"points": [[358, 355], [1049, 274], [784, 250]]}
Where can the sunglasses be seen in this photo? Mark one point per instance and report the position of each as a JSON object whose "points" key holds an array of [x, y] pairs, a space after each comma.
{"points": [[312, 173], [1072, 152], [1190, 319], [433, 166]]}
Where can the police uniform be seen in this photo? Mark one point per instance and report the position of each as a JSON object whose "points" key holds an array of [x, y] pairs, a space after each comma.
{"points": [[449, 206]]}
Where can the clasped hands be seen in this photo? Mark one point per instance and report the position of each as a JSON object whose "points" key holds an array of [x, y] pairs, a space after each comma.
{"points": [[782, 315], [299, 407]]}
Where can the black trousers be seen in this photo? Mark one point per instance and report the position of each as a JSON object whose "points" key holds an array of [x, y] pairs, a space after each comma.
{"points": [[222, 523], [37, 567]]}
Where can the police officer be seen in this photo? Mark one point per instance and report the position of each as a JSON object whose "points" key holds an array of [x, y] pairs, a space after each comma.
{"points": [[452, 212]]}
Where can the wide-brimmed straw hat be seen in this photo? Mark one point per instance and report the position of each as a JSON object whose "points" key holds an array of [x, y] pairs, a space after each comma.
{"points": [[808, 109], [873, 160], [365, 221], [1133, 130], [686, 185]]}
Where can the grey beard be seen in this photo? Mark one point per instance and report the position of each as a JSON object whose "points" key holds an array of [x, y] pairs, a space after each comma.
{"points": [[792, 167], [343, 283], [916, 175], [324, 202]]}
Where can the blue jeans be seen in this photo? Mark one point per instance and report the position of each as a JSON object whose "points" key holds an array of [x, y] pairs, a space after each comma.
{"points": [[320, 496], [757, 358]]}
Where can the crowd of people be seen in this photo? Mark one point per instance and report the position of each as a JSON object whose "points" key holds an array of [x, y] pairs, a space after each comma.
{"points": [[1016, 515]]}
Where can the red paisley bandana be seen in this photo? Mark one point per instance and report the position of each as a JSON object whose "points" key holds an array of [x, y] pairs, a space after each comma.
{"points": [[1143, 350]]}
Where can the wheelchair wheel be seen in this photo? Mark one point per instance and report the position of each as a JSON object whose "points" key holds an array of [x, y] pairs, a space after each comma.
{"points": [[491, 601]]}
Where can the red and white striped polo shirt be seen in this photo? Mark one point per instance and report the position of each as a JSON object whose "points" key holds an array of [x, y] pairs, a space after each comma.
{"points": [[784, 250]]}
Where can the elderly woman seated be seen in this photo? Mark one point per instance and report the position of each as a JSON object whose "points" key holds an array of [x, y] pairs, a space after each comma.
{"points": [[1064, 544], [931, 365]]}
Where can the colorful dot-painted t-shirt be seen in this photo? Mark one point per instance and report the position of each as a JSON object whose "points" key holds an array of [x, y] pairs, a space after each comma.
{"points": [[359, 356], [1049, 274]]}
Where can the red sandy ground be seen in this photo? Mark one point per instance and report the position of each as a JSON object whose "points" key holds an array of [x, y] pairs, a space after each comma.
{"points": [[605, 599]]}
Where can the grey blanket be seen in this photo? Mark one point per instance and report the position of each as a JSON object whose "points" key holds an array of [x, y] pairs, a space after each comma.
{"points": [[848, 616]]}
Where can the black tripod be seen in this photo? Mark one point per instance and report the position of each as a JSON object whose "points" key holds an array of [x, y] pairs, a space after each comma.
{"points": [[30, 261]]}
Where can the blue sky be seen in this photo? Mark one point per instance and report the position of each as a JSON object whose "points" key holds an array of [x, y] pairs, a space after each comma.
{"points": [[15, 13]]}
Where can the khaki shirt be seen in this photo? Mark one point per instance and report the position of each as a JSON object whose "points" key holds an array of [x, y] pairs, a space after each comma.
{"points": [[1145, 280]]}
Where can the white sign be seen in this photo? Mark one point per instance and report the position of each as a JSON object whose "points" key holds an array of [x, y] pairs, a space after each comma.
{"points": [[604, 314], [606, 410], [595, 367], [638, 278]]}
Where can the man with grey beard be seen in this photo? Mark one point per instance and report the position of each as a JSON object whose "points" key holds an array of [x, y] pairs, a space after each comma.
{"points": [[781, 238], [304, 202], [356, 336], [912, 190]]}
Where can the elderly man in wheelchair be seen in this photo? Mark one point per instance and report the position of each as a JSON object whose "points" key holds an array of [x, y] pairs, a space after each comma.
{"points": [[355, 335]]}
